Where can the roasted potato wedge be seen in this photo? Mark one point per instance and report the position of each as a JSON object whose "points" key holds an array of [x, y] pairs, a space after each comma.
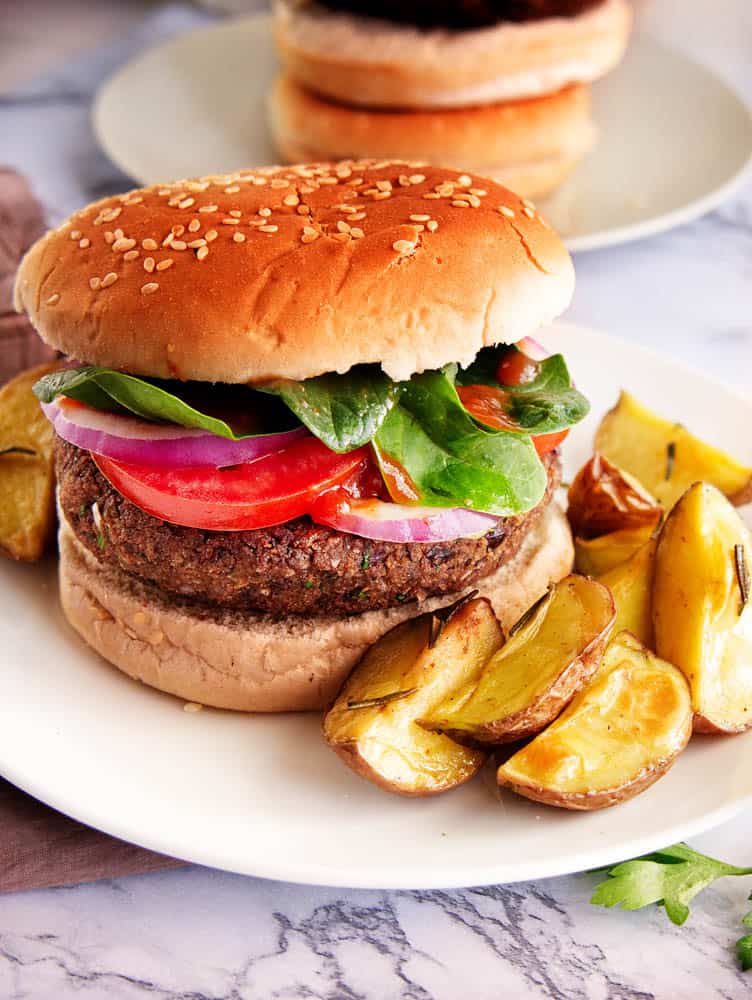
{"points": [[596, 556], [631, 584], [27, 488], [552, 652], [401, 678], [702, 606], [665, 457], [618, 735], [604, 499]]}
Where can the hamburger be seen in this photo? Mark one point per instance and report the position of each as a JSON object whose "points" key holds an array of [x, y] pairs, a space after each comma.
{"points": [[497, 87], [294, 416]]}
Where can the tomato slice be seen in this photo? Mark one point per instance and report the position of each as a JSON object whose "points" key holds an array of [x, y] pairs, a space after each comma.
{"points": [[271, 490]]}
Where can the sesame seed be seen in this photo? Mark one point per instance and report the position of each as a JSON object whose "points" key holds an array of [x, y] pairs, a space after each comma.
{"points": [[232, 189], [195, 244], [175, 200], [381, 195], [130, 255], [193, 226], [202, 252], [259, 181], [403, 180], [505, 210], [419, 218], [431, 196], [340, 237], [164, 264], [164, 192], [178, 245], [307, 189], [134, 200], [445, 190], [123, 244], [384, 185], [109, 279], [94, 283], [279, 182], [323, 180], [208, 208], [343, 172], [529, 212], [291, 199], [459, 203], [357, 215], [109, 238], [528, 204], [355, 182], [211, 234], [303, 210], [75, 234], [186, 202], [356, 233], [342, 226], [416, 178], [264, 212], [112, 214], [177, 230], [167, 241], [432, 226], [348, 209], [310, 231], [192, 706], [309, 237], [149, 244], [238, 237], [403, 246], [268, 229], [149, 264], [84, 243], [235, 213], [474, 200], [119, 234], [149, 288], [464, 180], [55, 297], [230, 222], [478, 192]]}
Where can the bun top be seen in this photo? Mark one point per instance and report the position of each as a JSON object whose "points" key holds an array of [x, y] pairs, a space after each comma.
{"points": [[295, 271]]}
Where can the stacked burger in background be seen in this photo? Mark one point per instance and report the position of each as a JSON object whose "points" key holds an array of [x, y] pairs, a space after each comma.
{"points": [[495, 87]]}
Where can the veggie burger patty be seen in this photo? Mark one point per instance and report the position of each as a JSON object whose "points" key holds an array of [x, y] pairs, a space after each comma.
{"points": [[293, 568]]}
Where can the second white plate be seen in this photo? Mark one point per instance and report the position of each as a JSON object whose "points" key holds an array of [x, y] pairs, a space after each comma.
{"points": [[265, 796], [674, 139]]}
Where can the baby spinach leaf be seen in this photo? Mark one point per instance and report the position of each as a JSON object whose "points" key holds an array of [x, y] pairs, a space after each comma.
{"points": [[447, 460], [343, 411]]}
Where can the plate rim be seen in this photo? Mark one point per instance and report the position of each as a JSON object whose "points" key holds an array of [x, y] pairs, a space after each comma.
{"points": [[450, 876], [596, 240]]}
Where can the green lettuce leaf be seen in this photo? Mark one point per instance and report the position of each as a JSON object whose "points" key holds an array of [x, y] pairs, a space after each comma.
{"points": [[549, 403], [449, 460], [343, 411], [116, 392]]}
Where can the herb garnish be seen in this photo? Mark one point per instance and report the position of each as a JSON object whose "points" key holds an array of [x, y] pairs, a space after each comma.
{"points": [[744, 944], [383, 699], [16, 449], [526, 616], [670, 459], [366, 560], [742, 574]]}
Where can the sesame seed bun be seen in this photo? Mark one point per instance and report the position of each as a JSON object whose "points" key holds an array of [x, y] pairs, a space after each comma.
{"points": [[366, 61], [292, 272], [530, 146], [252, 662]]}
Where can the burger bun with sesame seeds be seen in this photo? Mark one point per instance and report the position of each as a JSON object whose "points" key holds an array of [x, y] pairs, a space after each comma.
{"points": [[529, 146], [384, 64], [293, 272]]}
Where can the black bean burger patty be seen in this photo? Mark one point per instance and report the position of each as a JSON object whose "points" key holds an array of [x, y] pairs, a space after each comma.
{"points": [[292, 568], [459, 14]]}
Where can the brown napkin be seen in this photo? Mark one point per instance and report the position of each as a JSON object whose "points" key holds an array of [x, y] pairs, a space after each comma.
{"points": [[39, 847], [21, 222]]}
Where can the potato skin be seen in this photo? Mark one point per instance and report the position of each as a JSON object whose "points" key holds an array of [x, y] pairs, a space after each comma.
{"points": [[349, 754]]}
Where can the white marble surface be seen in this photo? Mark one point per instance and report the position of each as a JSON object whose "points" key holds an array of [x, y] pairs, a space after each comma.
{"points": [[194, 934]]}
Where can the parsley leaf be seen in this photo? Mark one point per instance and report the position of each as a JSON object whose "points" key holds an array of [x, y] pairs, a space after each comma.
{"points": [[744, 944], [671, 877]]}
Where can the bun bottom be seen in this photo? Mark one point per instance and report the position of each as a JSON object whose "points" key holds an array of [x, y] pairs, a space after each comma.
{"points": [[251, 662], [529, 146]]}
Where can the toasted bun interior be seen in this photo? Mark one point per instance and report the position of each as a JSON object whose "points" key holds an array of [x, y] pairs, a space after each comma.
{"points": [[375, 63], [251, 662], [292, 272], [529, 145]]}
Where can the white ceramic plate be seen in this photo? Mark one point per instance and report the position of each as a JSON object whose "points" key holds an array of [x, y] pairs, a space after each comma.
{"points": [[674, 140], [264, 796]]}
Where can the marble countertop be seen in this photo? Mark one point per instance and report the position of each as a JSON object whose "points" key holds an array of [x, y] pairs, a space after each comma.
{"points": [[196, 934]]}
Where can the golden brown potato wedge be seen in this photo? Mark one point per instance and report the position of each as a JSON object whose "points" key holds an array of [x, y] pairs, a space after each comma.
{"points": [[553, 651], [702, 606], [596, 556], [27, 487], [604, 499], [665, 457], [618, 735], [402, 677], [631, 584]]}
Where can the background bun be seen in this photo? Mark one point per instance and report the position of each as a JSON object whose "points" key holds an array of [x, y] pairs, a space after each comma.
{"points": [[529, 145], [296, 271], [377, 63], [251, 662]]}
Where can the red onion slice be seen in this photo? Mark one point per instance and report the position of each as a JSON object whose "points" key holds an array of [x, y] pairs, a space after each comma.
{"points": [[394, 522], [139, 442]]}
